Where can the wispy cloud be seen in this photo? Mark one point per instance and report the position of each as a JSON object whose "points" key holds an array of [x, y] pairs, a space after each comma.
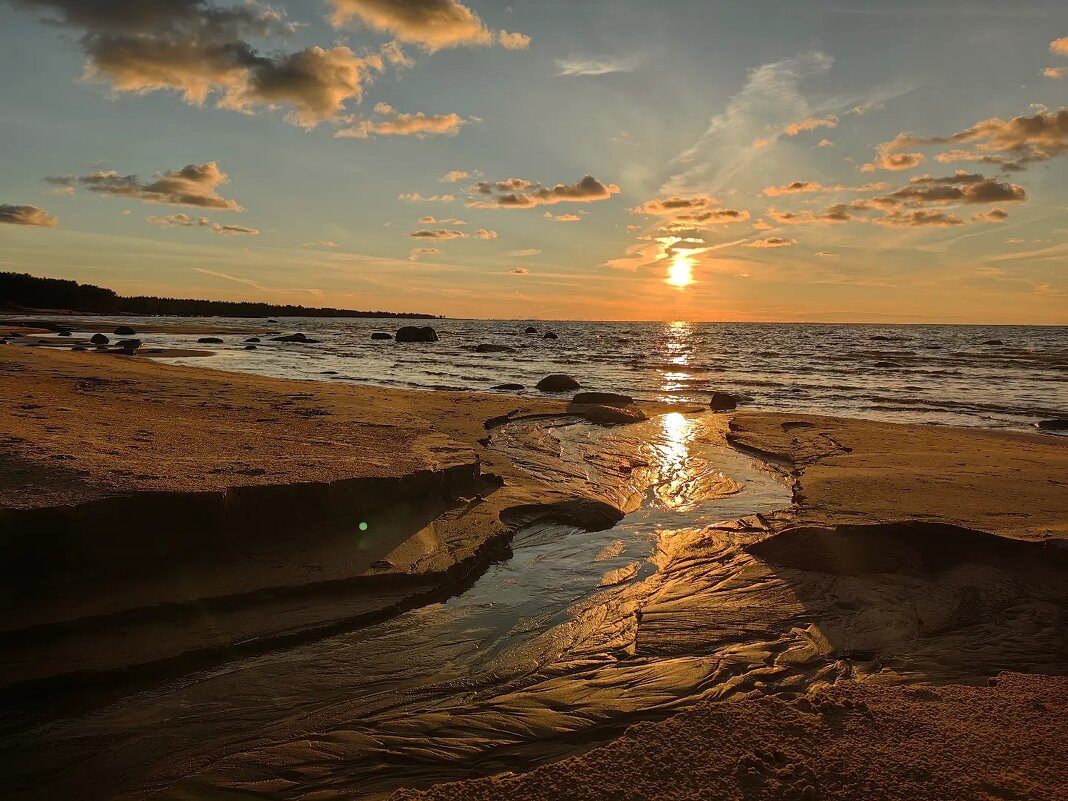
{"points": [[578, 66]]}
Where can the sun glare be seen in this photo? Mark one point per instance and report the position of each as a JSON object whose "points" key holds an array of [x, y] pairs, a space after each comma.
{"points": [[680, 271]]}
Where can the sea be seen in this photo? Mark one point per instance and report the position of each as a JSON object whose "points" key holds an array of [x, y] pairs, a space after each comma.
{"points": [[984, 376]]}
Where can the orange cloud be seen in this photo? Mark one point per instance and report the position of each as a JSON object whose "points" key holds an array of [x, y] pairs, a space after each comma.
{"points": [[396, 123], [192, 185], [995, 215], [437, 233], [838, 213], [26, 215], [1059, 46], [518, 193], [432, 24], [810, 124], [771, 242], [416, 197], [920, 218]]}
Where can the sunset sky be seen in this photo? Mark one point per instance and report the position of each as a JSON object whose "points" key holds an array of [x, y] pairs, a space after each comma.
{"points": [[829, 160]]}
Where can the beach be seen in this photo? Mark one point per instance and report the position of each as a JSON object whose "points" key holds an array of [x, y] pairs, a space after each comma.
{"points": [[224, 584]]}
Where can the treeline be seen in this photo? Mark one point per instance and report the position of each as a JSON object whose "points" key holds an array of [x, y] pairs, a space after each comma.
{"points": [[20, 291]]}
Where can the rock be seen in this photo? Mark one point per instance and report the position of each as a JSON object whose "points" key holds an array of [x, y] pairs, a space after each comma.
{"points": [[328, 372], [272, 321], [124, 331], [64, 333], [298, 337], [887, 364], [250, 347], [609, 415], [1058, 424], [508, 386], [489, 348], [413, 333], [253, 339], [209, 341], [993, 342], [99, 339], [381, 335], [723, 402], [129, 344], [550, 335], [558, 383], [78, 347], [530, 330], [603, 398]]}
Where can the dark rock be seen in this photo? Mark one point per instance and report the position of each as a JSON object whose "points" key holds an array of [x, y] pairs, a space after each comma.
{"points": [[64, 333], [99, 339], [253, 339], [530, 330], [381, 335], [603, 398], [1058, 424], [328, 372], [272, 321], [250, 347], [414, 333], [508, 386], [550, 335], [609, 415], [558, 383], [489, 348], [993, 342], [723, 402], [209, 341], [129, 344], [124, 331], [78, 347], [296, 338]]}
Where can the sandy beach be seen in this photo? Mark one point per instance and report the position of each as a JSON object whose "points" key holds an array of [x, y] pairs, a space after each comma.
{"points": [[162, 519]]}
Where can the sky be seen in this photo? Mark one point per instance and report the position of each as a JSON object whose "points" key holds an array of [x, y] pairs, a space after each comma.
{"points": [[704, 160]]}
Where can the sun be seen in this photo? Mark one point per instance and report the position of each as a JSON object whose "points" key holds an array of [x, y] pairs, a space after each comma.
{"points": [[680, 271]]}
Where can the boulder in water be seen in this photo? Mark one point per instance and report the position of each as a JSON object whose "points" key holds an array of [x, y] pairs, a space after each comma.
{"points": [[530, 330], [1057, 424], [415, 333], [124, 331], [381, 335], [723, 402], [486, 347], [209, 341], [78, 347], [993, 342], [250, 347], [99, 339], [253, 339], [63, 333], [508, 386], [129, 344], [603, 398], [550, 335], [298, 337], [558, 383]]}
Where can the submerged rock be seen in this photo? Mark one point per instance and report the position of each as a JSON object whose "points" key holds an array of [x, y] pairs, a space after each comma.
{"points": [[508, 386], [209, 341], [124, 331], [550, 335], [63, 333], [78, 347], [558, 383], [603, 398], [1057, 424], [491, 348], [993, 342], [253, 339], [129, 344], [723, 402], [250, 347], [610, 415], [414, 333], [530, 330], [298, 337], [381, 335], [99, 339]]}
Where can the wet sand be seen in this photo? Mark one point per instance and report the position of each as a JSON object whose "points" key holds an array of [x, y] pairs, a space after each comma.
{"points": [[148, 507]]}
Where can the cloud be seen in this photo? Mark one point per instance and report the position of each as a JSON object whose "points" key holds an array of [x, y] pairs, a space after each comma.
{"points": [[1055, 72], [483, 233], [416, 197], [520, 254], [963, 187], [771, 242], [185, 221], [810, 124], [798, 187], [1014, 144], [320, 243], [432, 24], [519, 271], [455, 176], [759, 144], [995, 215], [838, 213], [395, 123], [825, 143], [920, 218], [204, 52], [447, 221], [1059, 46], [437, 233], [864, 108], [518, 193], [674, 205], [825, 254], [579, 66], [192, 185], [26, 215], [417, 252], [887, 158], [565, 217]]}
